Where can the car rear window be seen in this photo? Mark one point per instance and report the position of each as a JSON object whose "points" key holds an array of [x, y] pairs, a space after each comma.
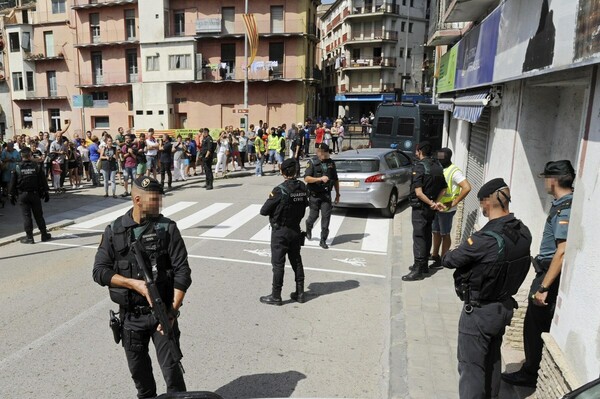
{"points": [[357, 165], [384, 126]]}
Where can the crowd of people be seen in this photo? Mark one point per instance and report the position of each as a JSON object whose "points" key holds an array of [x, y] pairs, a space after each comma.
{"points": [[110, 160]]}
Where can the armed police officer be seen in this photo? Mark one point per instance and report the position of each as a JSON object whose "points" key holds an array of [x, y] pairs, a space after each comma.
{"points": [[27, 185], [490, 267], [286, 207], [427, 187], [116, 266], [207, 158], [321, 176]]}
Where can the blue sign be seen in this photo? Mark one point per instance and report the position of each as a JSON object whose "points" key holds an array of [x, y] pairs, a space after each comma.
{"points": [[83, 101]]}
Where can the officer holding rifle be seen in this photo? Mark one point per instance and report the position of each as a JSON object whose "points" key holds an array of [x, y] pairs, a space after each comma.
{"points": [[143, 260]]}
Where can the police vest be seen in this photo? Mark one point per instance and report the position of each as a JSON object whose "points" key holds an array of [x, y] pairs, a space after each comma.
{"points": [[433, 181], [292, 206], [453, 190], [27, 176], [155, 240], [498, 281], [321, 169]]}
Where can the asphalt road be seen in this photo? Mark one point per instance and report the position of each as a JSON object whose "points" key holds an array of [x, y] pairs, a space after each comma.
{"points": [[55, 337]]}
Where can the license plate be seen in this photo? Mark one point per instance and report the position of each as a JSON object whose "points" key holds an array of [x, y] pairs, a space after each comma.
{"points": [[348, 184]]}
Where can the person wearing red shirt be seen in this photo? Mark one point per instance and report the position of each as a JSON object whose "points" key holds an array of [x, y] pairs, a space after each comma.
{"points": [[319, 134]]}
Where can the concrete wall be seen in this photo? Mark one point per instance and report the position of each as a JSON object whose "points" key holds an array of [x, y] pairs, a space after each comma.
{"points": [[112, 23], [576, 325]]}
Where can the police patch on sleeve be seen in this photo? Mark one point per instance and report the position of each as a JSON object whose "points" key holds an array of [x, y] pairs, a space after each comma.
{"points": [[470, 241], [271, 195]]}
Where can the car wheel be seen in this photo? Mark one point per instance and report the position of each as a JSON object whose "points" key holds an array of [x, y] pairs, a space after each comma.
{"points": [[390, 210]]}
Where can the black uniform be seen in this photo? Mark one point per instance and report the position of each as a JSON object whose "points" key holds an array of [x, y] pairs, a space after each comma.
{"points": [[286, 207], [207, 161], [490, 267], [297, 145], [28, 184], [162, 241], [320, 194], [427, 174]]}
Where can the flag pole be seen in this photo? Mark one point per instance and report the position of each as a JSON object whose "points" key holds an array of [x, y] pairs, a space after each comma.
{"points": [[246, 73]]}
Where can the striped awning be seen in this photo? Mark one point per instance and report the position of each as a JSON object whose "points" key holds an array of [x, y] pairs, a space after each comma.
{"points": [[469, 107], [446, 104]]}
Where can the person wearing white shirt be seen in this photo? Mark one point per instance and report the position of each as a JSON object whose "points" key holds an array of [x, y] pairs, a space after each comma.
{"points": [[151, 153]]}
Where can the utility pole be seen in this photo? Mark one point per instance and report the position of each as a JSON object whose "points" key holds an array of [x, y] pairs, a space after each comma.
{"points": [[246, 74], [406, 31]]}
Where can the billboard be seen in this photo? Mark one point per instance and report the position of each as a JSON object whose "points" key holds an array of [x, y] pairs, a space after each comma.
{"points": [[445, 80]]}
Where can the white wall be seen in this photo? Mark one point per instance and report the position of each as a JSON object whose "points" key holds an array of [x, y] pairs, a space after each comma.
{"points": [[152, 20], [164, 50], [576, 325], [153, 97]]}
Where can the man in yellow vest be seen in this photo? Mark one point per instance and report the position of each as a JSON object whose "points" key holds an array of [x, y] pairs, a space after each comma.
{"points": [[458, 188]]}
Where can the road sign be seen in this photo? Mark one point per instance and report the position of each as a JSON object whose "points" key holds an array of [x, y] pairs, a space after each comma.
{"points": [[241, 111]]}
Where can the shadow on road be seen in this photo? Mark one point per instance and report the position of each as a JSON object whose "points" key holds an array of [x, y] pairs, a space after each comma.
{"points": [[275, 385], [349, 238], [316, 290], [515, 392]]}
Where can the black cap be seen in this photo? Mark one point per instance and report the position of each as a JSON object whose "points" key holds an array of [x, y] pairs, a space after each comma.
{"points": [[424, 144], [558, 168], [491, 187], [148, 184], [288, 167], [25, 151], [324, 147]]}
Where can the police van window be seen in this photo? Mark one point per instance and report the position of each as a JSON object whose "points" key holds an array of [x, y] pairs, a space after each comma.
{"points": [[406, 127], [384, 125], [356, 165], [431, 127], [391, 160]]}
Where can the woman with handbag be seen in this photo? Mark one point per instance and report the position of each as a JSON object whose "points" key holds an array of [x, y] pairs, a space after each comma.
{"points": [[109, 165]]}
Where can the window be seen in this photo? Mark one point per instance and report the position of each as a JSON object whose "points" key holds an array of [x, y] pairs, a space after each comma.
{"points": [[14, 42], [49, 43], [149, 112], [406, 127], [412, 3], [357, 166], [228, 21], [132, 65], [355, 53], [97, 67], [276, 19], [410, 26], [276, 56], [180, 61], [59, 6], [26, 42], [26, 119], [95, 27], [101, 122], [29, 81], [408, 53], [17, 78], [227, 58], [391, 160], [152, 63], [25, 16], [130, 24], [402, 26], [55, 124], [139, 112], [431, 127], [161, 112], [179, 21], [130, 100], [100, 95], [52, 87], [384, 126], [403, 2]]}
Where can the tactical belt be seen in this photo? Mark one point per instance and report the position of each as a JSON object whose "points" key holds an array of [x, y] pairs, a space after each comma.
{"points": [[139, 310]]}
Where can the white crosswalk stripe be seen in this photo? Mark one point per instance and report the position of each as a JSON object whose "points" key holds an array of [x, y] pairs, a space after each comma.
{"points": [[263, 235], [195, 218], [334, 226], [233, 223], [376, 235], [102, 219], [178, 207]]}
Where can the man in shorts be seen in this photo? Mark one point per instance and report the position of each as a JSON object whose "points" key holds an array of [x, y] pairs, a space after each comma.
{"points": [[129, 153], [141, 155], [151, 153]]}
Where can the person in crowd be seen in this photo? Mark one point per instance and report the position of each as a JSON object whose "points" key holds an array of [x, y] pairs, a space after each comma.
{"points": [[260, 148], [340, 136], [364, 124], [73, 161], [94, 158], [319, 135], [109, 165], [56, 171], [179, 157], [307, 134], [207, 156], [151, 151], [9, 157], [296, 148], [84, 155], [130, 158], [290, 137], [88, 138], [192, 155], [234, 144], [223, 151], [274, 146], [251, 149], [166, 160], [243, 145], [59, 151]]}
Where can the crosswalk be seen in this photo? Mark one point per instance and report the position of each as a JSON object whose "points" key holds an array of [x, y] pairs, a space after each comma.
{"points": [[226, 220]]}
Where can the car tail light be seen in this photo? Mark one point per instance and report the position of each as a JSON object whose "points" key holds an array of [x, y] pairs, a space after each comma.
{"points": [[379, 178]]}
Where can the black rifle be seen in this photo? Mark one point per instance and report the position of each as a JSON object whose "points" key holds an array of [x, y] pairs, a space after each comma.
{"points": [[159, 308]]}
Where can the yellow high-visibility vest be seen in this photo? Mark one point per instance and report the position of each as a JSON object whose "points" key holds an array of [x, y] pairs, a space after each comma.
{"points": [[453, 190], [273, 142]]}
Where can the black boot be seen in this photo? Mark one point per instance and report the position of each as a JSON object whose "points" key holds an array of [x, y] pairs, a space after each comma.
{"points": [[46, 237], [27, 240], [273, 299], [419, 272], [323, 244], [308, 232], [298, 296], [437, 262]]}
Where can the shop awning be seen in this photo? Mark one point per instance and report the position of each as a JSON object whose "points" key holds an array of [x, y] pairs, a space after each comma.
{"points": [[469, 107], [446, 103], [367, 97]]}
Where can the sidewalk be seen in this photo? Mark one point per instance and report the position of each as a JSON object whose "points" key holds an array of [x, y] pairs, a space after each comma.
{"points": [[63, 209], [424, 323]]}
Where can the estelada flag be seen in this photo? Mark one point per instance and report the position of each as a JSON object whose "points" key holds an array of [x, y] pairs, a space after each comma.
{"points": [[252, 30]]}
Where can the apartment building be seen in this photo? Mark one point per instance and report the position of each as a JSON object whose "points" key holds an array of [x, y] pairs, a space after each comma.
{"points": [[372, 50]]}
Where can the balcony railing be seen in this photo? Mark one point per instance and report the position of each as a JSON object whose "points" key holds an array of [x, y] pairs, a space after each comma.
{"points": [[215, 27], [108, 79], [379, 8], [369, 88], [370, 62], [370, 36], [42, 53], [260, 70], [112, 34], [81, 4], [443, 33]]}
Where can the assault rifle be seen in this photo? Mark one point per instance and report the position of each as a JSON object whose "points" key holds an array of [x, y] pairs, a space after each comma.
{"points": [[159, 308]]}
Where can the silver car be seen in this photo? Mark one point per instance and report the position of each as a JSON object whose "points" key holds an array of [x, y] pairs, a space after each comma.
{"points": [[373, 178]]}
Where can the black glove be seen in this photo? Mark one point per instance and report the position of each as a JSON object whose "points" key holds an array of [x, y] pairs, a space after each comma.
{"points": [[13, 200], [46, 196]]}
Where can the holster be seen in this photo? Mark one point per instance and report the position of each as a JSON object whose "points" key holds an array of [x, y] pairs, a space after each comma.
{"points": [[116, 326], [302, 238]]}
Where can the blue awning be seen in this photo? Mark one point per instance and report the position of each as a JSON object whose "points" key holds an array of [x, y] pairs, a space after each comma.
{"points": [[469, 107], [366, 97], [445, 103]]}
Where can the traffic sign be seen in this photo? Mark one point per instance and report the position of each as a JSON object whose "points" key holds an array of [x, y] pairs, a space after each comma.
{"points": [[241, 111]]}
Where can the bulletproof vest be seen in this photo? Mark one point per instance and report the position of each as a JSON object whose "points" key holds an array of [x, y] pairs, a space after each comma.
{"points": [[27, 176], [433, 181], [321, 169], [556, 210], [154, 237], [292, 206], [500, 280]]}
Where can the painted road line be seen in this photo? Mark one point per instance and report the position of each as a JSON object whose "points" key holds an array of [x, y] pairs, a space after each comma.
{"points": [[180, 206], [263, 235], [233, 223], [195, 218], [103, 219], [376, 235], [334, 226]]}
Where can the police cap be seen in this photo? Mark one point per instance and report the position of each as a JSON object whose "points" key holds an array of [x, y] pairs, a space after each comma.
{"points": [[148, 184], [558, 168], [25, 151], [324, 147], [491, 187], [288, 167]]}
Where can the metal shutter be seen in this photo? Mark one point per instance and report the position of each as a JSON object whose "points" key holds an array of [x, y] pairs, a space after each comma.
{"points": [[475, 171], [276, 19]]}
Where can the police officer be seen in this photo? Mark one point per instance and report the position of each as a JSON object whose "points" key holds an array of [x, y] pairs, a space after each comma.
{"points": [[28, 184], [427, 187], [321, 176], [558, 180], [490, 267], [286, 207], [115, 266], [207, 158]]}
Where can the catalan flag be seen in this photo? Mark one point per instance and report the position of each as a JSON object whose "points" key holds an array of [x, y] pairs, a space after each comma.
{"points": [[252, 30]]}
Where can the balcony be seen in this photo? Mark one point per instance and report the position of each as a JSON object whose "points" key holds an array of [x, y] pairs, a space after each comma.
{"points": [[215, 28], [444, 33], [372, 62], [259, 71], [56, 93], [366, 88], [107, 79], [83, 4], [377, 36], [468, 10], [372, 10], [41, 53]]}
